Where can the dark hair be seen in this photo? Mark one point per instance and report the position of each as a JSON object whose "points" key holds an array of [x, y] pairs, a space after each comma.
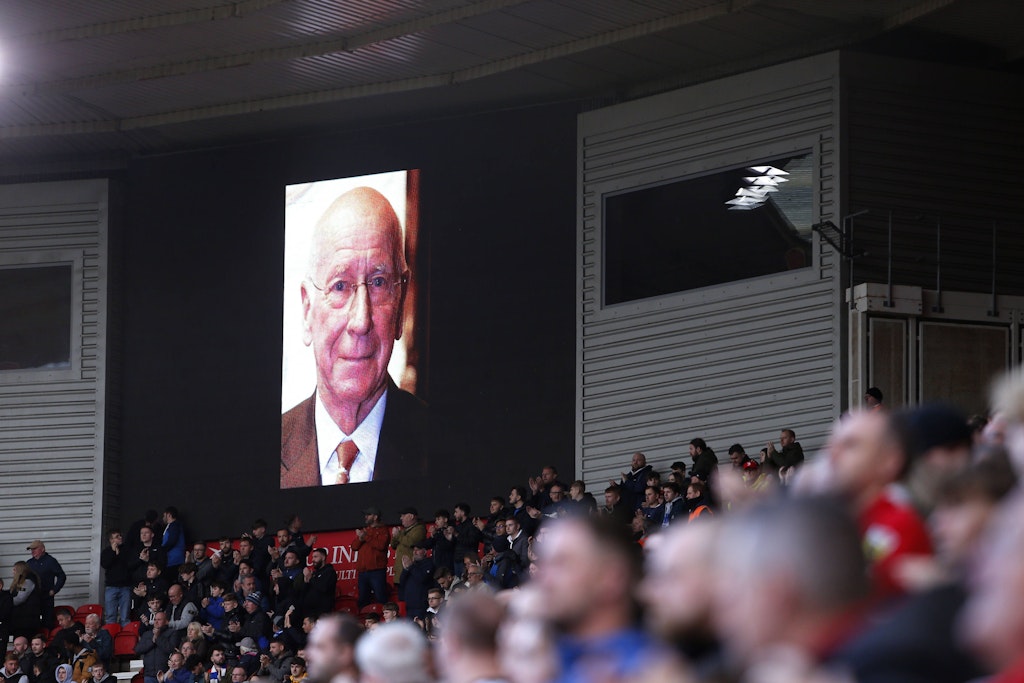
{"points": [[192, 662], [790, 432], [698, 443], [442, 572], [300, 661], [113, 531], [390, 606], [259, 523], [614, 488], [672, 485], [442, 513], [521, 490], [498, 499], [989, 480], [736, 448], [464, 507], [172, 511], [187, 568], [472, 620], [698, 486], [875, 393]]}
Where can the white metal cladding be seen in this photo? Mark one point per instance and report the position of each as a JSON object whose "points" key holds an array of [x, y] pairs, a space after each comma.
{"points": [[52, 422], [730, 363]]}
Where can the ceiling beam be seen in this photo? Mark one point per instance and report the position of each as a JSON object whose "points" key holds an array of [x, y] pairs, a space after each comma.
{"points": [[231, 10], [606, 39], [204, 63]]}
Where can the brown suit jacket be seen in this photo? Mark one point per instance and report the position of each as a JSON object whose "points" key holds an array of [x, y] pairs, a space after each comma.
{"points": [[402, 449]]}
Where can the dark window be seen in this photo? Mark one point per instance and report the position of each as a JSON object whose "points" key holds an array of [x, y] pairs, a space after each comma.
{"points": [[731, 225], [35, 310]]}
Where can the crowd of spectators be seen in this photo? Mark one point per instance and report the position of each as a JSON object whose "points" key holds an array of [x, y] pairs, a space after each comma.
{"points": [[896, 554]]}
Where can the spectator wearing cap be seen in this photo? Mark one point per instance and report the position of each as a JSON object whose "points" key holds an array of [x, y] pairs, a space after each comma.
{"points": [[371, 544], [873, 399], [403, 538], [321, 581], [248, 656], [256, 624], [939, 444], [51, 578], [419, 578]]}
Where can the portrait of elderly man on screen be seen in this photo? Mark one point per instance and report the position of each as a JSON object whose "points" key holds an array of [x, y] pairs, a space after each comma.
{"points": [[358, 426]]}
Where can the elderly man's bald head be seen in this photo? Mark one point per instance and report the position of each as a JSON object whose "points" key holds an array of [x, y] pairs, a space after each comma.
{"points": [[361, 210]]}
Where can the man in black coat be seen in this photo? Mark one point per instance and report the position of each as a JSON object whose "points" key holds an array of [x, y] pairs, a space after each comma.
{"points": [[320, 585]]}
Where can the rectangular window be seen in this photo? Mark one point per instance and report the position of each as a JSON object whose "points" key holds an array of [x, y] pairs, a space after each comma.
{"points": [[35, 307], [721, 227]]}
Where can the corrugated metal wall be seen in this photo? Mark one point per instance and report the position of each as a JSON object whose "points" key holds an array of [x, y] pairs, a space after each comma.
{"points": [[937, 145], [52, 422], [732, 363]]}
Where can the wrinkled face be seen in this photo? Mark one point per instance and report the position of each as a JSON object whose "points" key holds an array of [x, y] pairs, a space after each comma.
{"points": [[238, 674], [92, 624], [556, 493], [474, 575], [250, 606], [407, 519], [21, 645], [174, 594], [419, 554], [249, 584], [38, 552], [357, 240], [159, 620]]}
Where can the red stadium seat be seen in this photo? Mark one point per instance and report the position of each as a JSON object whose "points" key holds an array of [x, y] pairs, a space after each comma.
{"points": [[374, 607], [132, 627], [346, 603], [138, 678], [401, 608], [112, 629], [85, 610], [124, 644]]}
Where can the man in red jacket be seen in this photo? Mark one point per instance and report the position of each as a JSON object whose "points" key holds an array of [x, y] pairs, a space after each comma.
{"points": [[372, 561]]}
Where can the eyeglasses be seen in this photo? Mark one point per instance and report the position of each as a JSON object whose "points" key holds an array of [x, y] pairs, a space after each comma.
{"points": [[380, 287]]}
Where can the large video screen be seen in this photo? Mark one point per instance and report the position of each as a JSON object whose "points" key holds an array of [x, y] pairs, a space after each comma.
{"points": [[349, 380]]}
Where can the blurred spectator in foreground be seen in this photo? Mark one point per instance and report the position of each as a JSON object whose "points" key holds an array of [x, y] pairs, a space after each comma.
{"points": [[467, 651], [790, 585], [330, 652], [394, 653], [588, 568]]}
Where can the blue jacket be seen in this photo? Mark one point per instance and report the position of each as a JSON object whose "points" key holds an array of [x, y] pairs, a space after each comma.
{"points": [[174, 544], [49, 571]]}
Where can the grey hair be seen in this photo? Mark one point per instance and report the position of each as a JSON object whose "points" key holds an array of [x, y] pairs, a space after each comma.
{"points": [[395, 653]]}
